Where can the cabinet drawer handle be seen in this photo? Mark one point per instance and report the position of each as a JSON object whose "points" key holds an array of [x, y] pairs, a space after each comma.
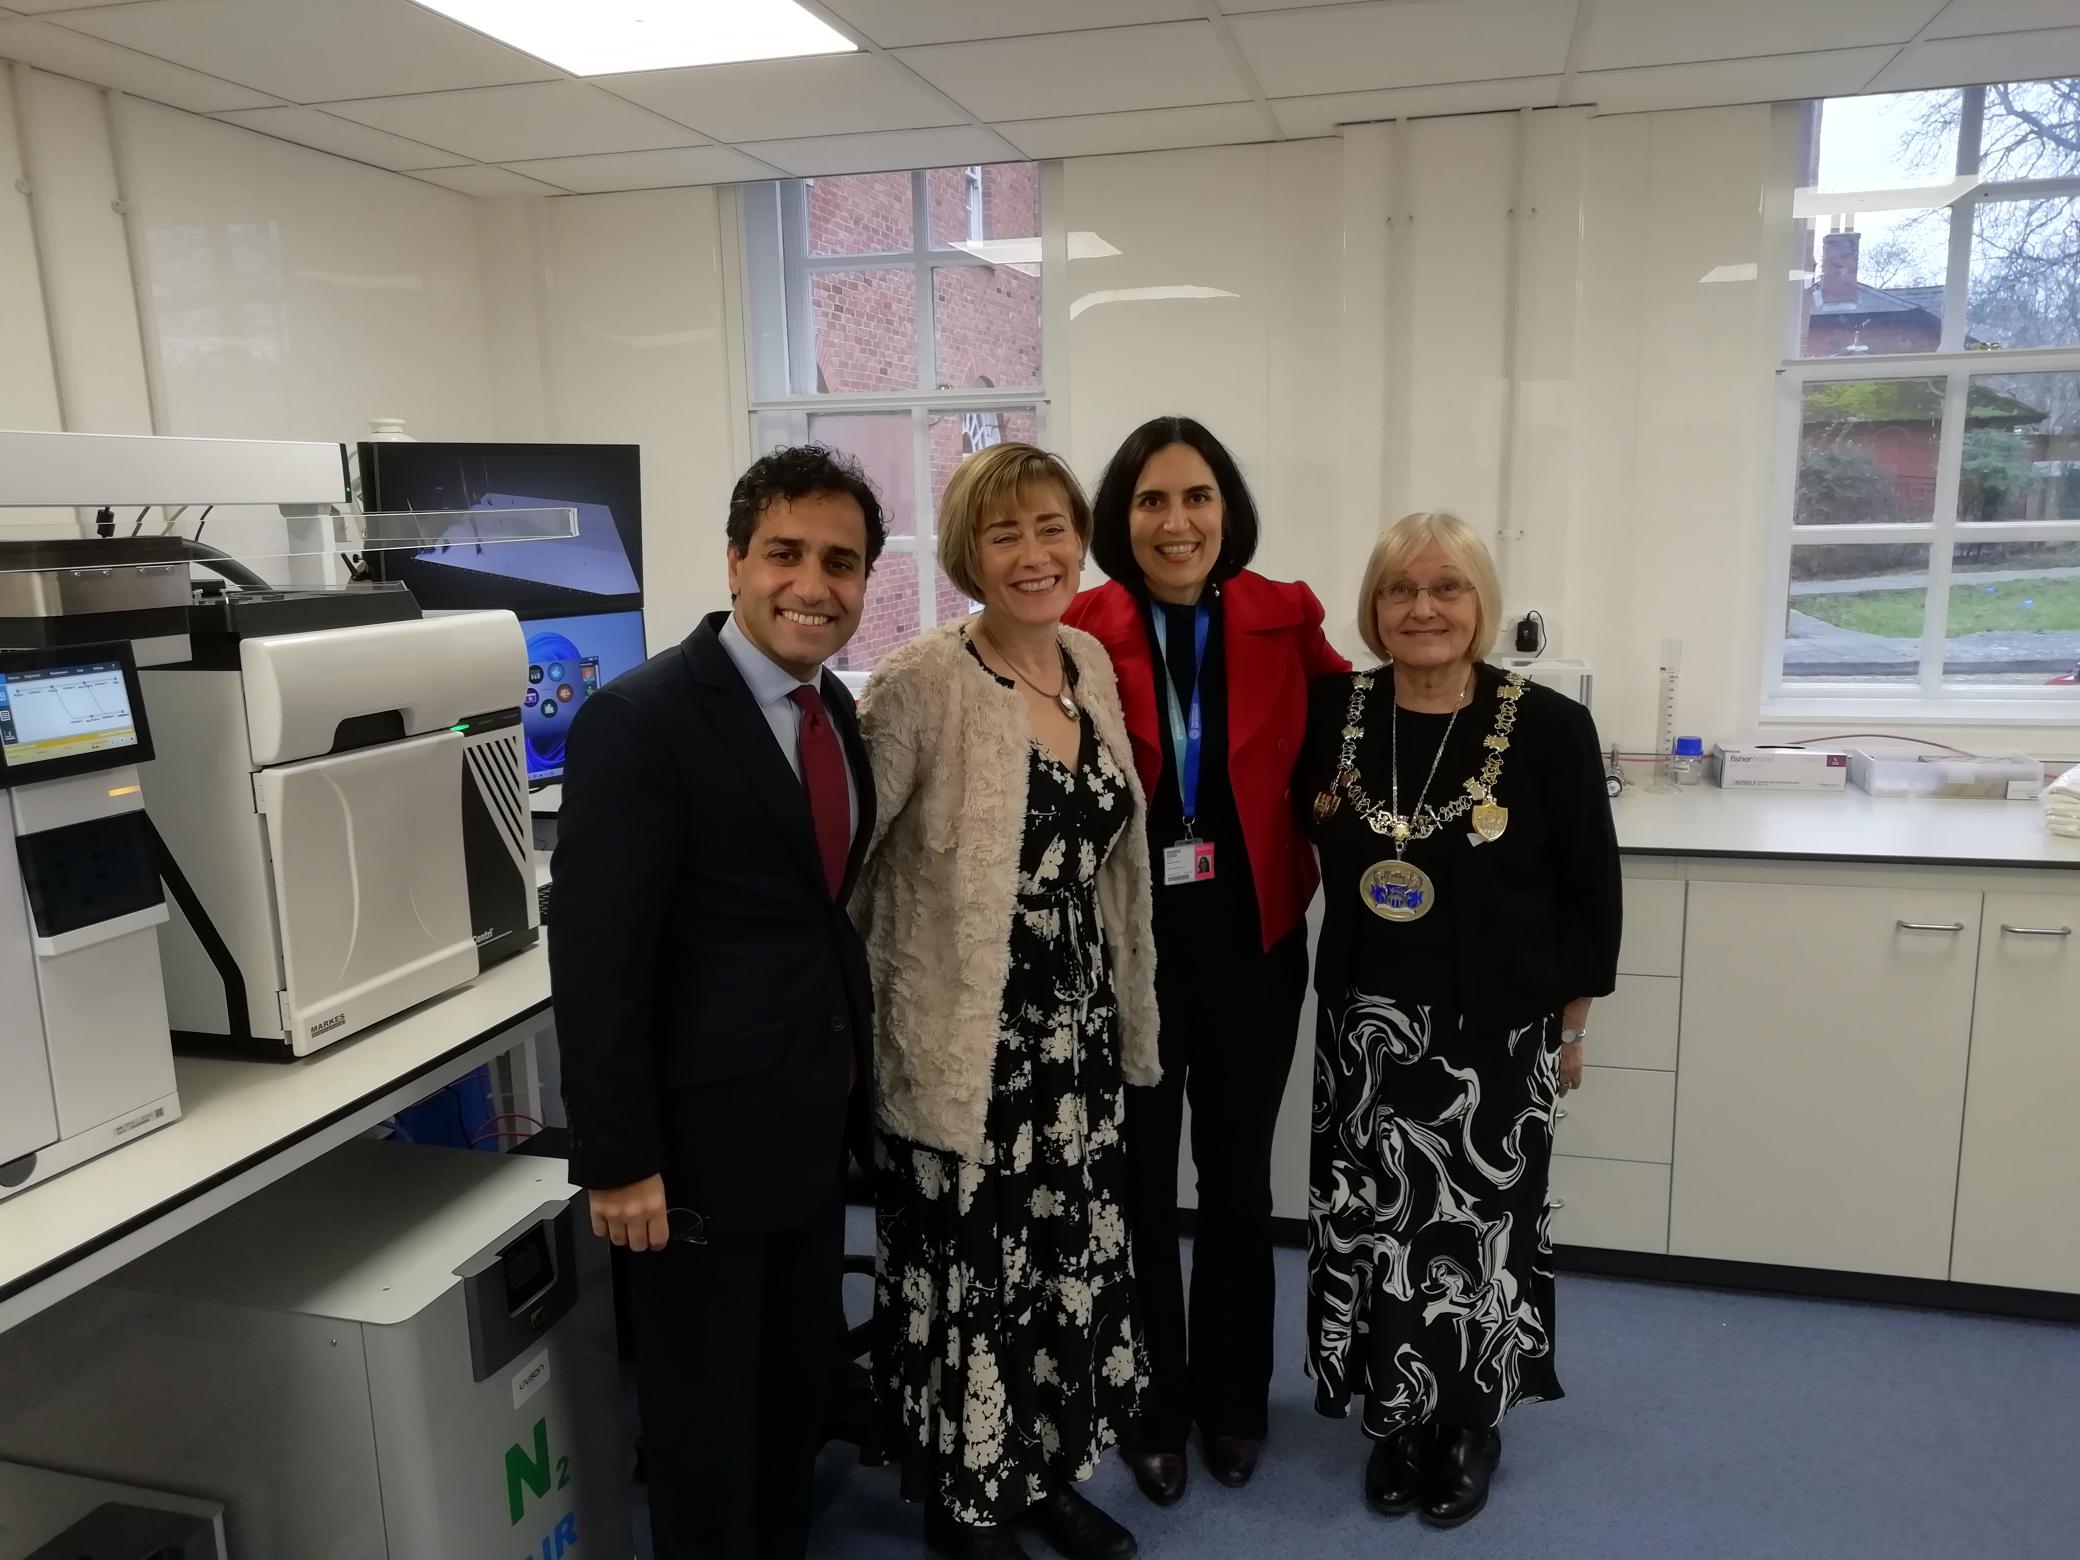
{"points": [[2036, 931], [1557, 1202], [1558, 1114], [1931, 926]]}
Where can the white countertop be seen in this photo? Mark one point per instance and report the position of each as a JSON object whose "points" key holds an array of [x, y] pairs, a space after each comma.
{"points": [[1850, 825], [244, 1125]]}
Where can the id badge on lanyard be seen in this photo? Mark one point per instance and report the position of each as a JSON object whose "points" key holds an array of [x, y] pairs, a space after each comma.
{"points": [[1191, 859]]}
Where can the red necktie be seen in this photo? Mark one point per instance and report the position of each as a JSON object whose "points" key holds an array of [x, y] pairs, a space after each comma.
{"points": [[823, 777]]}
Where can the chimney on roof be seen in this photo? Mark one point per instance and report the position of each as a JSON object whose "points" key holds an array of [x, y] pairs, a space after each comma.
{"points": [[1838, 261]]}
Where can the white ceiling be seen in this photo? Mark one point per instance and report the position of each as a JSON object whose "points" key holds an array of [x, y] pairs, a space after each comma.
{"points": [[958, 81]]}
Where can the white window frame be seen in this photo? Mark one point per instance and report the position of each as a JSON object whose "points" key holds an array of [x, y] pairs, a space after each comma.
{"points": [[776, 272], [1929, 698]]}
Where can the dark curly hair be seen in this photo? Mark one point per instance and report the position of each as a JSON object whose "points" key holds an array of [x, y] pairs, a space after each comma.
{"points": [[1112, 540], [796, 471]]}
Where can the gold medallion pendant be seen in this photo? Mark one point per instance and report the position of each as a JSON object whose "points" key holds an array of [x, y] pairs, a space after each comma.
{"points": [[1489, 820], [1396, 891], [1325, 806]]}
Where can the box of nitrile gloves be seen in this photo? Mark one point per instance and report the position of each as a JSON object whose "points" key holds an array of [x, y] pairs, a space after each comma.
{"points": [[1750, 768]]}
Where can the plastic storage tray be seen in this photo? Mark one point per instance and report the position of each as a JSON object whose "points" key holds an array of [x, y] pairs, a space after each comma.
{"points": [[1995, 776]]}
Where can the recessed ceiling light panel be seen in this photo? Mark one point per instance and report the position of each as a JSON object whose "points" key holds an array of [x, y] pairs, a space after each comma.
{"points": [[609, 37]]}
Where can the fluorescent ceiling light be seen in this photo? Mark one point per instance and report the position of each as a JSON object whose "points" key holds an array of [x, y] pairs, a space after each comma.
{"points": [[1091, 300], [1811, 202], [1023, 254], [607, 37]]}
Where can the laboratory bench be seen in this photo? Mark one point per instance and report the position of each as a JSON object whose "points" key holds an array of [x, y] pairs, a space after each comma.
{"points": [[1841, 1059], [245, 1125]]}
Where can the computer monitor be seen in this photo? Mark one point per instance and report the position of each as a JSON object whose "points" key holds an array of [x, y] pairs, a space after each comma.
{"points": [[70, 711], [600, 569], [568, 660]]}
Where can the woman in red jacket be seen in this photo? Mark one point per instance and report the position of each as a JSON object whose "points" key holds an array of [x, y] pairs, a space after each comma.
{"points": [[1214, 664]]}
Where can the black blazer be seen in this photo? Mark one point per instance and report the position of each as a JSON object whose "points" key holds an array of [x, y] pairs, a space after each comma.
{"points": [[710, 996], [1538, 914]]}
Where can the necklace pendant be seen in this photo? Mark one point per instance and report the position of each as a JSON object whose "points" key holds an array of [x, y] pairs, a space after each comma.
{"points": [[1401, 831], [1068, 705], [1326, 804], [1489, 820]]}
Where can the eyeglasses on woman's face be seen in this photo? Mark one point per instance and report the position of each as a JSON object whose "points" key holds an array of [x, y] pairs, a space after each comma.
{"points": [[1445, 592]]}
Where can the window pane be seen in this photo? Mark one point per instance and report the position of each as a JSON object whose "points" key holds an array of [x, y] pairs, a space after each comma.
{"points": [[985, 327], [889, 619], [2032, 130], [1867, 452], [997, 201], [950, 602], [2014, 613], [1878, 288], [863, 331], [2022, 451], [866, 214], [879, 441], [1855, 614], [1889, 142], [957, 435], [2025, 282]]}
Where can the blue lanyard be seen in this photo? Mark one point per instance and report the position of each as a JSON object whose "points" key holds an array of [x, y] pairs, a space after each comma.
{"points": [[1185, 730]]}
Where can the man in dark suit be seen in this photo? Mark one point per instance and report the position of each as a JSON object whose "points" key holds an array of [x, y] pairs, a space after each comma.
{"points": [[713, 1006]]}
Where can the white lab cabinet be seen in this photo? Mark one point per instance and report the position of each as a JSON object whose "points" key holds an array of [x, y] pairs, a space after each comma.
{"points": [[2020, 1169], [1824, 1038]]}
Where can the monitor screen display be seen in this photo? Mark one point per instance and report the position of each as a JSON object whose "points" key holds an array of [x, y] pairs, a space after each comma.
{"points": [[58, 712], [600, 568], [569, 659]]}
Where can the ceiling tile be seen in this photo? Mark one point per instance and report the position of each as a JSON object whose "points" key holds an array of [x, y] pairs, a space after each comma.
{"points": [[885, 150], [315, 128], [1653, 32], [89, 59], [829, 94], [1307, 116], [514, 124], [314, 51], [1150, 130], [896, 23], [478, 180], [2023, 56], [1244, 7], [1056, 75], [1779, 78], [42, 7], [645, 170], [1409, 43], [1962, 18]]}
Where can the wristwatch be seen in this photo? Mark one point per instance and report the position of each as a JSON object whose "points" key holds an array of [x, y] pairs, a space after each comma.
{"points": [[1573, 1036]]}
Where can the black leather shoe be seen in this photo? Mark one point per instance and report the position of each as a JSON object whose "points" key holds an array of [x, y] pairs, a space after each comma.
{"points": [[962, 1541], [1455, 1484], [1161, 1475], [1078, 1529], [1232, 1458], [1394, 1472]]}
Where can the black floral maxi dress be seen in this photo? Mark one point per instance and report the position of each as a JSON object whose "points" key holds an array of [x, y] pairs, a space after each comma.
{"points": [[1010, 1356]]}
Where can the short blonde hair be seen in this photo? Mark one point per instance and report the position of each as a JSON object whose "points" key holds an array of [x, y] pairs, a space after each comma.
{"points": [[1463, 548], [988, 486]]}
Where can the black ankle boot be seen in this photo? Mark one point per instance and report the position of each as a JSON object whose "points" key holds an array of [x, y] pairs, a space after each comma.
{"points": [[1078, 1529], [1455, 1483], [964, 1541], [1394, 1472]]}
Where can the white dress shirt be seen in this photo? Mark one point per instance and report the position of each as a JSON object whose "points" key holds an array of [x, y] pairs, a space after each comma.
{"points": [[772, 688]]}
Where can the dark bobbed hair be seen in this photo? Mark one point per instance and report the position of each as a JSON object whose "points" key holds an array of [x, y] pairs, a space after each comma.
{"points": [[1112, 538], [796, 471]]}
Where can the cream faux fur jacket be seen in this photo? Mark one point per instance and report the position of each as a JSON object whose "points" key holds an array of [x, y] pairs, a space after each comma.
{"points": [[950, 751]]}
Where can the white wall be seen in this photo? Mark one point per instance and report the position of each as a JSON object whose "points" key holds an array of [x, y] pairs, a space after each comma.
{"points": [[1379, 353]]}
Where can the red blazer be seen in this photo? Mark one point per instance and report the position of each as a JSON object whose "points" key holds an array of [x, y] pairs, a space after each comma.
{"points": [[1275, 648]]}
